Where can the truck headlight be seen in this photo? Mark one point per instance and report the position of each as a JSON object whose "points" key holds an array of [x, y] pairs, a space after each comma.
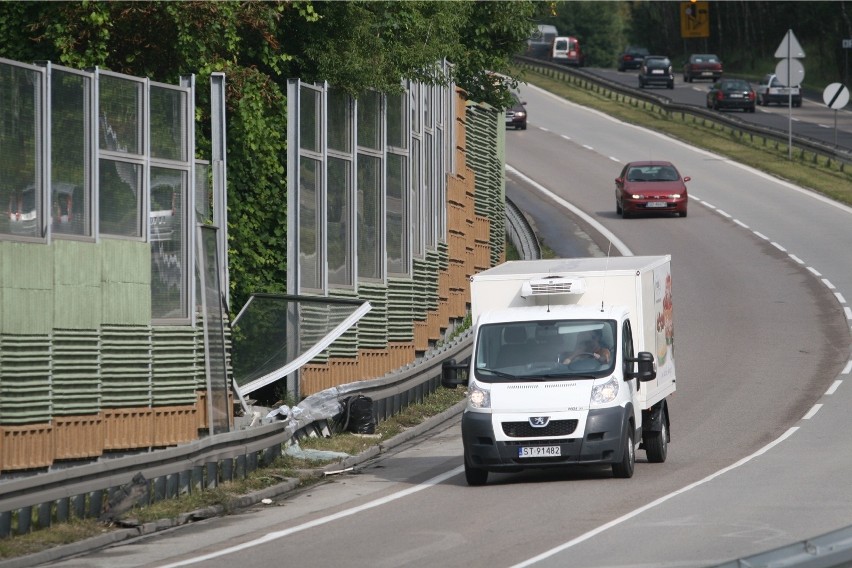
{"points": [[478, 397], [605, 393]]}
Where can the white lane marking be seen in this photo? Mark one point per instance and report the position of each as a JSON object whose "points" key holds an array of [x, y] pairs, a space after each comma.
{"points": [[834, 386], [779, 247], [812, 412], [614, 159], [814, 271], [710, 205], [269, 537], [796, 259], [848, 313], [741, 224], [652, 504], [565, 136], [724, 214], [840, 297], [587, 147], [622, 248], [761, 235], [847, 369], [828, 283]]}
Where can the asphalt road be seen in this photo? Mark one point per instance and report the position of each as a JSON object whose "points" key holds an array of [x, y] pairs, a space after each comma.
{"points": [[760, 448], [814, 119]]}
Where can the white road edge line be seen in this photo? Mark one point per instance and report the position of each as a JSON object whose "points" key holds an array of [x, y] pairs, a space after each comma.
{"points": [[833, 388], [269, 537], [653, 504], [622, 248], [812, 412]]}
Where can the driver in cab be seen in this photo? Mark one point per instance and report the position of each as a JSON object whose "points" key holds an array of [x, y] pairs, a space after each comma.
{"points": [[588, 346]]}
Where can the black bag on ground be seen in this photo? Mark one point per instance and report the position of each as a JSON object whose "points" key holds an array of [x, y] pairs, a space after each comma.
{"points": [[357, 415]]}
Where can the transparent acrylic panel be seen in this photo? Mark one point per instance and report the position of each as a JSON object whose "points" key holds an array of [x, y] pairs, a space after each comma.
{"points": [[430, 192], [20, 159], [339, 121], [120, 198], [168, 243], [397, 133], [369, 217], [215, 314], [441, 184], [370, 120], [310, 259], [168, 124], [397, 214], [203, 194], [416, 196], [271, 331], [414, 107], [310, 122], [70, 184], [428, 103], [339, 218], [120, 105]]}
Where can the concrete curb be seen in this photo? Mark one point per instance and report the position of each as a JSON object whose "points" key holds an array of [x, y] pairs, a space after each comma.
{"points": [[242, 502]]}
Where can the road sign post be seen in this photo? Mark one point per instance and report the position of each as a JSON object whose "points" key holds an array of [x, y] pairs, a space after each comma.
{"points": [[835, 96], [788, 71]]}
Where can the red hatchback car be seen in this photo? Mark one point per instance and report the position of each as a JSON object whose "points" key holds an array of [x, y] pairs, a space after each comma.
{"points": [[650, 187]]}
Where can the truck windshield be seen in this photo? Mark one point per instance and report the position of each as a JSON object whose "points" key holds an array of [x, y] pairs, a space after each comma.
{"points": [[545, 350]]}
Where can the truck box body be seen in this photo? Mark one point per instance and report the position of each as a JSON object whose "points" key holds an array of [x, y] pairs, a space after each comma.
{"points": [[552, 378], [640, 283]]}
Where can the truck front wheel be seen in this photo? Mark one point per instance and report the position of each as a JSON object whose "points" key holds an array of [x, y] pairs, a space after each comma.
{"points": [[657, 443], [624, 468], [474, 476]]}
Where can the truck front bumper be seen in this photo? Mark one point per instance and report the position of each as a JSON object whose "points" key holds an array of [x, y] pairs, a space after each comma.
{"points": [[602, 443]]}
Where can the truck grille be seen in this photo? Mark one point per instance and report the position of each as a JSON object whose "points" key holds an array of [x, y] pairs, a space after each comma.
{"points": [[554, 428]]}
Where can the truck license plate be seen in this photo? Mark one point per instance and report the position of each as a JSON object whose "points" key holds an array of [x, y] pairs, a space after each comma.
{"points": [[656, 204], [539, 452]]}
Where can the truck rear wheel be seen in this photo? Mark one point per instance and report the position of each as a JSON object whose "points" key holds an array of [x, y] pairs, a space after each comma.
{"points": [[657, 444], [473, 475], [624, 468]]}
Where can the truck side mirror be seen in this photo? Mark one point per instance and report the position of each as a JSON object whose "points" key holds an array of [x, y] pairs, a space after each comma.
{"points": [[454, 374], [646, 371]]}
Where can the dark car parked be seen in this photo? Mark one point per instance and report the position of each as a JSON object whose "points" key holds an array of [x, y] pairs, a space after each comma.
{"points": [[516, 114], [650, 187], [656, 70], [732, 94], [632, 57], [702, 66]]}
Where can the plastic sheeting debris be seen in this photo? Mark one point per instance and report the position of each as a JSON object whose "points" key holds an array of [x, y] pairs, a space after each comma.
{"points": [[316, 455]]}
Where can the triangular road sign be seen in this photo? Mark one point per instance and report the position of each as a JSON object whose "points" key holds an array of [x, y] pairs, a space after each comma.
{"points": [[790, 47]]}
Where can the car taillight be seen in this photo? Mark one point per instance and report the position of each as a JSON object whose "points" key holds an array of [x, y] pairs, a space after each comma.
{"points": [[751, 95], [720, 95]]}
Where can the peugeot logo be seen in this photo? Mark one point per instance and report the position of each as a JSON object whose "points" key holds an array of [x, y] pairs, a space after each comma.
{"points": [[539, 421]]}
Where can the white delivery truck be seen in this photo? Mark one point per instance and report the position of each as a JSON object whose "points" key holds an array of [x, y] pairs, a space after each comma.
{"points": [[572, 363]]}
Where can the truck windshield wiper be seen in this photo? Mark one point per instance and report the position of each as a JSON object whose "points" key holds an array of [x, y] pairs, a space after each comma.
{"points": [[498, 373], [566, 375]]}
